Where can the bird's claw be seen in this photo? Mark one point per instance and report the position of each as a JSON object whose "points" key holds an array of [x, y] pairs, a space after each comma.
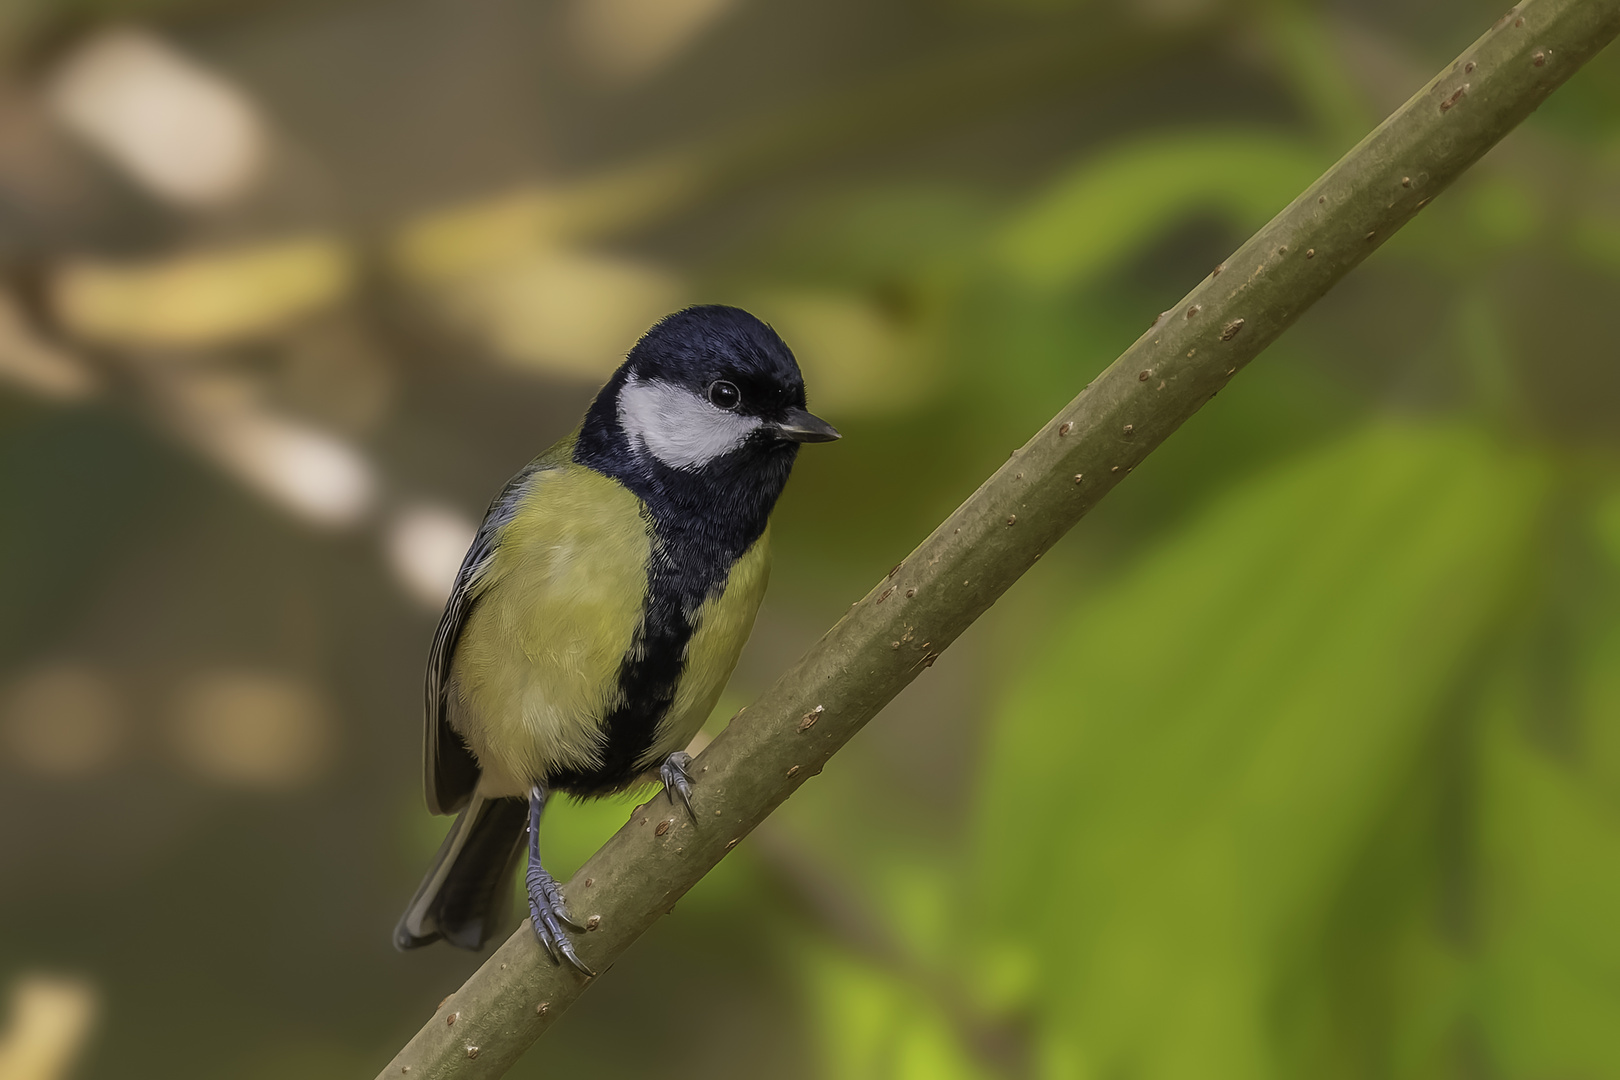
{"points": [[550, 916], [676, 780]]}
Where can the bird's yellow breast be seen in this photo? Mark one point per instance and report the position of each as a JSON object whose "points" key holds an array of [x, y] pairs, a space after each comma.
{"points": [[556, 615], [536, 665]]}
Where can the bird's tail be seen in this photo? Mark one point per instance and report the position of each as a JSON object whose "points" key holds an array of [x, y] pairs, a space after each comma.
{"points": [[467, 892]]}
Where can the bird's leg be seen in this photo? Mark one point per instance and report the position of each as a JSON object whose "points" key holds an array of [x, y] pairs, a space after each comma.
{"points": [[677, 781], [546, 908]]}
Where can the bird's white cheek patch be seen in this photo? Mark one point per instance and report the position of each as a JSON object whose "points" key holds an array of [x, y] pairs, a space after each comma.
{"points": [[678, 427]]}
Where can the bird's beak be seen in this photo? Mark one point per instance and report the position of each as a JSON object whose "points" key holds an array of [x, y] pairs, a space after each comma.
{"points": [[800, 426]]}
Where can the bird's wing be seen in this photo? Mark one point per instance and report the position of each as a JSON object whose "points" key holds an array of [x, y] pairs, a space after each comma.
{"points": [[450, 772]]}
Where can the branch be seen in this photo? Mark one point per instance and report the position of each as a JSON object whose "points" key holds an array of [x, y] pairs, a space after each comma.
{"points": [[908, 619]]}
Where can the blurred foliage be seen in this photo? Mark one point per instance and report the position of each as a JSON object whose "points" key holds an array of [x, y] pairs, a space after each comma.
{"points": [[1152, 186], [1300, 758], [1173, 874]]}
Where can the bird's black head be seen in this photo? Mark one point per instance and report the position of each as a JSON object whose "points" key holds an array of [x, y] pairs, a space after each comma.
{"points": [[704, 417]]}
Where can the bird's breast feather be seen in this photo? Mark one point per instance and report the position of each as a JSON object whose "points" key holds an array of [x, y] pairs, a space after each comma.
{"points": [[557, 611]]}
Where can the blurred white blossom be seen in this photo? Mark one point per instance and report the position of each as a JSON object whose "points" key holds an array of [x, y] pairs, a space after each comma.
{"points": [[425, 545], [179, 130]]}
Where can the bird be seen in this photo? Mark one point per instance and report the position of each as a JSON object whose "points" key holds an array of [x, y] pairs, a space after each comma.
{"points": [[600, 611]]}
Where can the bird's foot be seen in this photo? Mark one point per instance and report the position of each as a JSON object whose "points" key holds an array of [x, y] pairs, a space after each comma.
{"points": [[550, 916], [676, 780]]}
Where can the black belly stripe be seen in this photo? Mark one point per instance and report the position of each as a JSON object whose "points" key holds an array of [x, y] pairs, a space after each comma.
{"points": [[648, 680]]}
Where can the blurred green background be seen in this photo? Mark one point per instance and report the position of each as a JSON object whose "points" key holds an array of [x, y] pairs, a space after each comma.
{"points": [[1300, 758]]}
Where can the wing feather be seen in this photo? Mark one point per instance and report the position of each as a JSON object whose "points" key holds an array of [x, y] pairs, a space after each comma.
{"points": [[450, 771]]}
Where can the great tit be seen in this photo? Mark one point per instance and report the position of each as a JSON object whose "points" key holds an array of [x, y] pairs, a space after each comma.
{"points": [[601, 609]]}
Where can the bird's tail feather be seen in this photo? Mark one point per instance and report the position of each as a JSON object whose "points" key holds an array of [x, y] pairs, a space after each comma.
{"points": [[467, 892]]}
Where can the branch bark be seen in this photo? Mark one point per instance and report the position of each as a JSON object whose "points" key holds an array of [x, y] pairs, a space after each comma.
{"points": [[901, 626]]}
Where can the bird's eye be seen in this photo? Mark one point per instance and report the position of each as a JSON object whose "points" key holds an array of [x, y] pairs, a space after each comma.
{"points": [[724, 395]]}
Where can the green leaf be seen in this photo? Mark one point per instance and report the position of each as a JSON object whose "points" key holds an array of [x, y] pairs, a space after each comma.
{"points": [[1119, 201], [1180, 783], [1549, 844], [876, 1025], [1550, 987]]}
